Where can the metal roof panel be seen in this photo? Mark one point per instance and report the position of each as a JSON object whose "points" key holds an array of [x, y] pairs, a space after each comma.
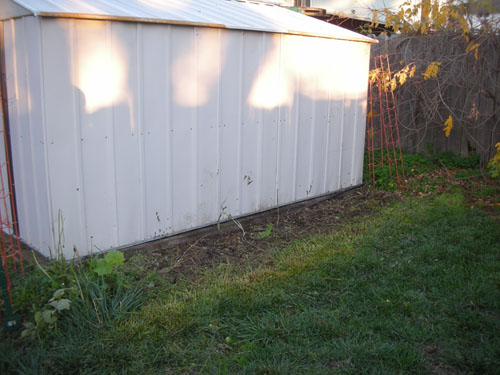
{"points": [[231, 14]]}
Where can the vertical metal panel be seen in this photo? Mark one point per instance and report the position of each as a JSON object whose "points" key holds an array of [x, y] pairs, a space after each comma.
{"points": [[349, 121], [363, 58], [230, 138], [305, 117], [20, 126], [127, 135], [62, 135], [250, 125], [183, 117], [269, 133], [41, 210], [80, 201], [23, 70], [320, 120], [207, 73], [288, 124], [336, 125], [354, 112], [156, 82], [91, 40], [348, 134]]}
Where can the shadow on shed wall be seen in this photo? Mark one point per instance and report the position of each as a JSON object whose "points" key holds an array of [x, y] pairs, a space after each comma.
{"points": [[153, 129]]}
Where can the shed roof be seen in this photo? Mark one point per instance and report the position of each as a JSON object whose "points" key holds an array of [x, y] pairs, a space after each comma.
{"points": [[231, 14]]}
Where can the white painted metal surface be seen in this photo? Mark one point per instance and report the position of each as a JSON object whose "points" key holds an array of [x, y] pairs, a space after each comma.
{"points": [[124, 132], [9, 9], [232, 14]]}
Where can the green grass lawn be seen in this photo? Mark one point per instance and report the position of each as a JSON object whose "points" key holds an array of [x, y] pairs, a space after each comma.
{"points": [[414, 288]]}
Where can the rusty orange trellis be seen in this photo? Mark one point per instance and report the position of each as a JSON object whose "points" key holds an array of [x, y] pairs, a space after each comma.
{"points": [[10, 247], [382, 138]]}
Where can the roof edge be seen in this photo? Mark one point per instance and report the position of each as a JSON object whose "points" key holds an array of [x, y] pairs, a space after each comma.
{"points": [[361, 39], [12, 9], [99, 17]]}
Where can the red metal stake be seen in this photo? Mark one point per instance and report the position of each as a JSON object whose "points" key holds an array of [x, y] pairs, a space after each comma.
{"points": [[10, 246]]}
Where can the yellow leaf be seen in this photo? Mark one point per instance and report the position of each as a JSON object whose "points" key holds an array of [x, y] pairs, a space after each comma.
{"points": [[402, 78], [432, 70], [476, 54], [370, 115], [412, 71], [448, 125], [393, 84], [496, 158], [472, 46], [373, 75]]}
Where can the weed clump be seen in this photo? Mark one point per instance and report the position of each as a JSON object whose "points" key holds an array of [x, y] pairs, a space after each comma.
{"points": [[68, 304]]}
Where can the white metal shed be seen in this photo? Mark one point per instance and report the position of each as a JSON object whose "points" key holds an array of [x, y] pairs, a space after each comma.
{"points": [[135, 120]]}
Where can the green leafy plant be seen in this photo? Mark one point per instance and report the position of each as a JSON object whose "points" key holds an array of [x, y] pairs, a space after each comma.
{"points": [[267, 232], [416, 165], [88, 294], [48, 317], [104, 266], [451, 160]]}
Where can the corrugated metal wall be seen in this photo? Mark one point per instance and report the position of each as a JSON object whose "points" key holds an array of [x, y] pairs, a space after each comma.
{"points": [[134, 131]]}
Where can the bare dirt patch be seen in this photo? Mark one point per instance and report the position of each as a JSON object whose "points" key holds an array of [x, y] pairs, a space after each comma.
{"points": [[210, 247]]}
